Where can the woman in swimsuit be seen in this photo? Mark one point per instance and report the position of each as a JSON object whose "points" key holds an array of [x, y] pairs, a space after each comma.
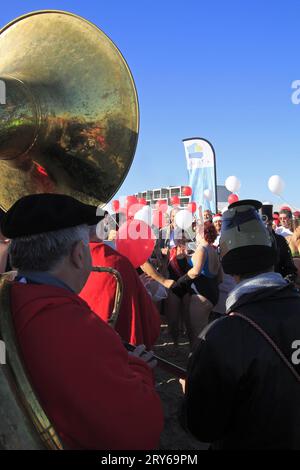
{"points": [[207, 274], [199, 277]]}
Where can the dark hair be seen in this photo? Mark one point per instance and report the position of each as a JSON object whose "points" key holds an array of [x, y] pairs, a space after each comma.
{"points": [[243, 277], [210, 232]]}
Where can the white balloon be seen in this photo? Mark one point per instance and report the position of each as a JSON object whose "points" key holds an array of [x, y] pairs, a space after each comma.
{"points": [[233, 184], [184, 219], [276, 184], [145, 214], [207, 193]]}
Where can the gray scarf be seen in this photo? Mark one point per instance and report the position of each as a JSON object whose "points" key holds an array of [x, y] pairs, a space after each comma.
{"points": [[254, 284]]}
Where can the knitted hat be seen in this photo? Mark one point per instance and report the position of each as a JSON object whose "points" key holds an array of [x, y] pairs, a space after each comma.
{"points": [[217, 217]]}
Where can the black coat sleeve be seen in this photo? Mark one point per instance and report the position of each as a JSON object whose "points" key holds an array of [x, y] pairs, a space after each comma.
{"points": [[182, 285], [214, 374]]}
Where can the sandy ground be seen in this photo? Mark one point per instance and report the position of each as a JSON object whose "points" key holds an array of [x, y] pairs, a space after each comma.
{"points": [[169, 389]]}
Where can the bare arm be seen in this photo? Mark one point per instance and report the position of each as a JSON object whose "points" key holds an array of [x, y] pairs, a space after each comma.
{"points": [[151, 271], [198, 263]]}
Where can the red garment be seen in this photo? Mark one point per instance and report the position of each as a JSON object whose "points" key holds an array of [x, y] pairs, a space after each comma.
{"points": [[139, 320], [95, 394], [173, 262]]}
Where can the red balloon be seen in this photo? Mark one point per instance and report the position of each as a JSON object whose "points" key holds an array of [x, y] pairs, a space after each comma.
{"points": [[192, 207], [115, 205], [158, 218], [130, 200], [161, 205], [187, 191], [232, 198], [142, 200], [175, 201], [164, 207], [133, 208], [136, 241]]}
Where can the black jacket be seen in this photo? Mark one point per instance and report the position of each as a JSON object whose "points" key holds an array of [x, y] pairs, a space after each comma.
{"points": [[240, 394]]}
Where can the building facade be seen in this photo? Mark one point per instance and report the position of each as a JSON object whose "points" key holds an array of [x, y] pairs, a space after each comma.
{"points": [[154, 195]]}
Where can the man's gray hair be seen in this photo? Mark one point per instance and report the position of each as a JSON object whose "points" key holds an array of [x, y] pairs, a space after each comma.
{"points": [[44, 251]]}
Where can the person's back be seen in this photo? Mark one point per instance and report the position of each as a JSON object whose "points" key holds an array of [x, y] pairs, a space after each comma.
{"points": [[211, 264], [240, 394], [254, 400], [210, 274], [80, 372], [139, 320], [96, 394], [79, 369]]}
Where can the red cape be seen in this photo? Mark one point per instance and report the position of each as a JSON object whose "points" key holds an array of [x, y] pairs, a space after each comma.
{"points": [[139, 320], [95, 394]]}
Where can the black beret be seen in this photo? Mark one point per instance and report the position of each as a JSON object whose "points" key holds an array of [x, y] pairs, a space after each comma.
{"points": [[2, 214], [40, 213], [246, 202]]}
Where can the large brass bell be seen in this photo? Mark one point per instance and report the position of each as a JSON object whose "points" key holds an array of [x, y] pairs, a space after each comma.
{"points": [[70, 121]]}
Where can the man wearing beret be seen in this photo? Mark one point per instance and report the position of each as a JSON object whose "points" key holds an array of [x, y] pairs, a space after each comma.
{"points": [[96, 394], [243, 385]]}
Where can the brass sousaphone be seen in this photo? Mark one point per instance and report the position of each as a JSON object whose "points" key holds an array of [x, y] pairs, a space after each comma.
{"points": [[69, 124]]}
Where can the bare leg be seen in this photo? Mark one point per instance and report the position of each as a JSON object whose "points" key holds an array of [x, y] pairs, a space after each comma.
{"points": [[172, 311], [199, 311]]}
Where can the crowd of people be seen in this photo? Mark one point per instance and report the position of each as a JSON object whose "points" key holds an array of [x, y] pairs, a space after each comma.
{"points": [[229, 284]]}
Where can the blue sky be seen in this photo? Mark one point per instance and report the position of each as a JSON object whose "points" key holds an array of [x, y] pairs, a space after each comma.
{"points": [[219, 70]]}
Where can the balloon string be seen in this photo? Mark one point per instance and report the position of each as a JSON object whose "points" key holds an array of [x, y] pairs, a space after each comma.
{"points": [[115, 221], [286, 202]]}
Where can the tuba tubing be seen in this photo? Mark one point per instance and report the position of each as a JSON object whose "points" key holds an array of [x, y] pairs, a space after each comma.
{"points": [[119, 292], [162, 363]]}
